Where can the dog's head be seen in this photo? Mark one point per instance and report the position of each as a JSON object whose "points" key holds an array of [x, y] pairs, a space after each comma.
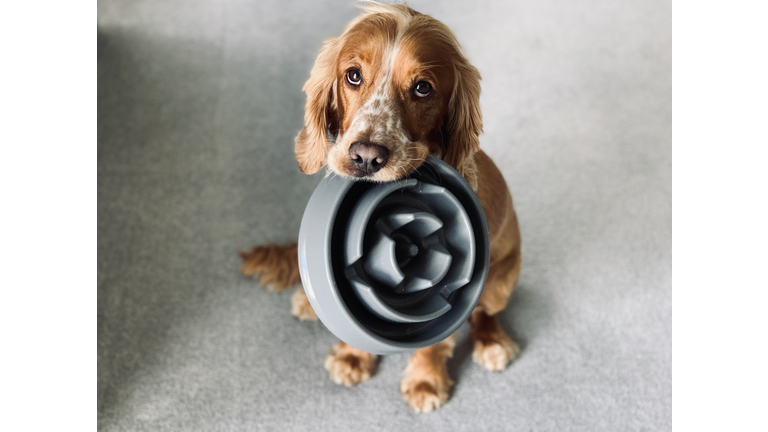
{"points": [[391, 90]]}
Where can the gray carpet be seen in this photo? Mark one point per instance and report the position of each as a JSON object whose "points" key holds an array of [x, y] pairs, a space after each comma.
{"points": [[198, 104]]}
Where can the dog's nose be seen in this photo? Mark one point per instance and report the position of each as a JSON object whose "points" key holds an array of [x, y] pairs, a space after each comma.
{"points": [[368, 157]]}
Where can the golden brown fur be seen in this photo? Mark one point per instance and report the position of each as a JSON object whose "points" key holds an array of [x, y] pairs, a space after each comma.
{"points": [[277, 265], [348, 365], [393, 48], [426, 385]]}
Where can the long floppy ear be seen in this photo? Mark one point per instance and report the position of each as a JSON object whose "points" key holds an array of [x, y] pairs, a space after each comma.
{"points": [[464, 122], [320, 112]]}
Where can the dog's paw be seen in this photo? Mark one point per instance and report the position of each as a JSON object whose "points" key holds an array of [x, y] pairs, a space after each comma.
{"points": [[348, 365], [495, 354], [300, 307], [426, 395]]}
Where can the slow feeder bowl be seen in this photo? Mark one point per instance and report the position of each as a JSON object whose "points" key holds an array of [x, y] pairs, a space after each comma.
{"points": [[395, 266]]}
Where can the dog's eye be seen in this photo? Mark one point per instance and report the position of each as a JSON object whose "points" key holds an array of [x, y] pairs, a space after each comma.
{"points": [[423, 89], [354, 77]]}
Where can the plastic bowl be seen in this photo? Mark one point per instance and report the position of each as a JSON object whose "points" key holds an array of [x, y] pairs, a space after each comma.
{"points": [[395, 266]]}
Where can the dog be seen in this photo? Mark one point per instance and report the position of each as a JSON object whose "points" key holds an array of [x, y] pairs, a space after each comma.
{"points": [[393, 89]]}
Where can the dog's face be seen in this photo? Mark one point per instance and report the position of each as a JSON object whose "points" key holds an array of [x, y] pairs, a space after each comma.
{"points": [[393, 89]]}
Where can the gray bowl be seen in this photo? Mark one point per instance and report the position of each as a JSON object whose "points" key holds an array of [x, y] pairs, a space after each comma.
{"points": [[390, 267]]}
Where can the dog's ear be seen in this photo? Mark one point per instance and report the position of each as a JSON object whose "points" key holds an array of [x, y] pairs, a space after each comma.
{"points": [[464, 122], [320, 112]]}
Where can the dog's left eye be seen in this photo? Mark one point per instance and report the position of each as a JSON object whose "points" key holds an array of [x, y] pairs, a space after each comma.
{"points": [[423, 89]]}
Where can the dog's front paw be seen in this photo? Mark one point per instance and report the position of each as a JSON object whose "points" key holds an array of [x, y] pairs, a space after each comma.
{"points": [[495, 354], [300, 307], [348, 365], [425, 394]]}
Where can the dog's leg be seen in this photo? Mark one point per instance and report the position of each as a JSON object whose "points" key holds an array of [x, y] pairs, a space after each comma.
{"points": [[426, 385], [277, 265], [300, 307], [348, 365], [492, 347]]}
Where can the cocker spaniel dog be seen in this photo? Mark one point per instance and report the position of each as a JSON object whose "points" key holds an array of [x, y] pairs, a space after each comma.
{"points": [[391, 90]]}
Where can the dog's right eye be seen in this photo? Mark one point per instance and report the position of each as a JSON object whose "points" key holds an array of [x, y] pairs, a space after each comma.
{"points": [[354, 77]]}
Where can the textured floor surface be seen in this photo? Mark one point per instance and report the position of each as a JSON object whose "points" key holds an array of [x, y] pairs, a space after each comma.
{"points": [[199, 101]]}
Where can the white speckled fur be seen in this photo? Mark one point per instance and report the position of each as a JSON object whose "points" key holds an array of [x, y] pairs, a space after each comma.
{"points": [[379, 120]]}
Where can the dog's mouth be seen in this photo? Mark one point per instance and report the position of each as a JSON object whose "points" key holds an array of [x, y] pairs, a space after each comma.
{"points": [[374, 162], [385, 173]]}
